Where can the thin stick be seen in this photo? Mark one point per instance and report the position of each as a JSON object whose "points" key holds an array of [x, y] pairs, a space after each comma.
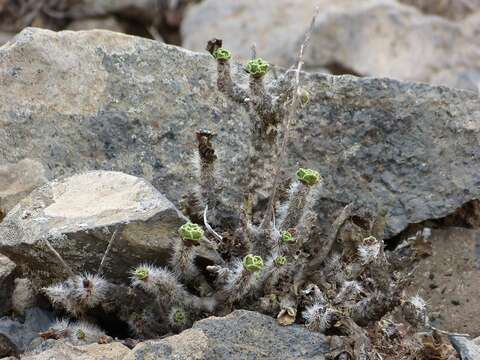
{"points": [[152, 30], [107, 251], [336, 226], [253, 50], [57, 255], [209, 228], [286, 137], [448, 332]]}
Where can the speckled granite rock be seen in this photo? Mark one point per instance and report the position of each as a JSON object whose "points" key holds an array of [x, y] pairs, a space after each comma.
{"points": [[78, 215], [239, 335], [100, 100]]}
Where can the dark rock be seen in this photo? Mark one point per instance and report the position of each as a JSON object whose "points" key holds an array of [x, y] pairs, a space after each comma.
{"points": [[7, 268], [239, 335], [23, 332], [410, 148], [7, 348]]}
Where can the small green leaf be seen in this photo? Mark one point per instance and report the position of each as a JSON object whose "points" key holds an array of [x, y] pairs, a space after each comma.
{"points": [[287, 237], [257, 67], [308, 176], [141, 273], [280, 260], [253, 263], [222, 54], [191, 232]]}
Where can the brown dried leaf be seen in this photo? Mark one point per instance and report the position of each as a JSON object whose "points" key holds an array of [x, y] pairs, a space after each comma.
{"points": [[287, 316]]}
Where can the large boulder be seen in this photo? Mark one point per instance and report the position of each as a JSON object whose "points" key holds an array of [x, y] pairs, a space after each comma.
{"points": [[369, 38], [98, 100], [240, 335], [78, 216]]}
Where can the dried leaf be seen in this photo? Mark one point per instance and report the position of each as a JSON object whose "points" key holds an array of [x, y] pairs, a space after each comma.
{"points": [[287, 316]]}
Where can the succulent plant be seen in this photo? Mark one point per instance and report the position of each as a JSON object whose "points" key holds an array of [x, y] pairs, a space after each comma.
{"points": [[191, 232], [80, 334], [308, 176], [334, 281], [287, 237], [253, 263], [179, 316], [222, 54], [280, 260], [257, 67], [141, 273]]}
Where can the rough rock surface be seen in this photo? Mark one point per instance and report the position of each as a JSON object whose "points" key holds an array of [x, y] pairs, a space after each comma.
{"points": [[370, 38], [17, 180], [60, 351], [239, 335], [451, 9], [6, 283], [78, 216], [133, 104], [467, 349], [22, 333], [449, 279]]}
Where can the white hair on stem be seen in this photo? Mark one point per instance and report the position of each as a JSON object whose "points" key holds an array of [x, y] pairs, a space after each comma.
{"points": [[182, 261], [83, 333], [368, 253], [157, 281], [89, 290]]}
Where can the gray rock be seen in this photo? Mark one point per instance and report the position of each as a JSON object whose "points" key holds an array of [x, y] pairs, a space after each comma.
{"points": [[59, 350], [466, 348], [7, 268], [22, 333], [451, 9], [370, 38], [17, 180], [398, 41], [411, 148], [274, 28], [239, 335], [78, 215]]}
